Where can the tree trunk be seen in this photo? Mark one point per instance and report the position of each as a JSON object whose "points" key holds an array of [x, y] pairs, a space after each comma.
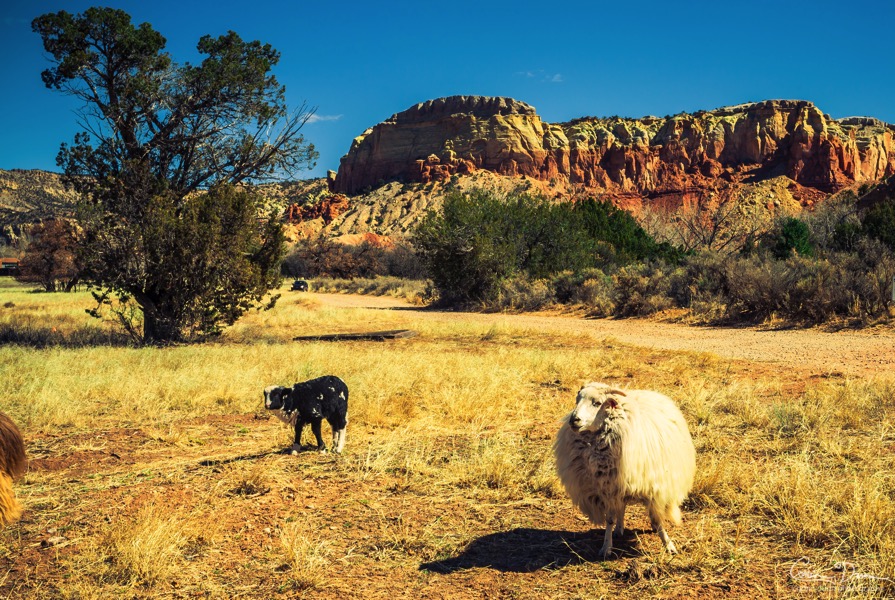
{"points": [[158, 328]]}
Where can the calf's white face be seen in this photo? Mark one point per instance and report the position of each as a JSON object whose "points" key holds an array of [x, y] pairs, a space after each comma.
{"points": [[592, 404], [274, 397]]}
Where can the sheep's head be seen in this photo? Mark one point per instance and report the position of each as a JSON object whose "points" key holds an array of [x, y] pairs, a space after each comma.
{"points": [[595, 403]]}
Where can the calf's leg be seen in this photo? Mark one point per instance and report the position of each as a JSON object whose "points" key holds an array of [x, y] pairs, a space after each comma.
{"points": [[299, 425], [315, 427]]}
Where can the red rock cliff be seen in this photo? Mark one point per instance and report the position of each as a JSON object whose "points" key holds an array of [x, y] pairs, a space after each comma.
{"points": [[646, 157]]}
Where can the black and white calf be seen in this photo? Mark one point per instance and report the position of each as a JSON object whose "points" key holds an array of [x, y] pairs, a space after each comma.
{"points": [[310, 402]]}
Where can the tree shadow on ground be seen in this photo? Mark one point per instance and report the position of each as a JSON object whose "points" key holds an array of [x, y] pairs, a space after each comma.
{"points": [[49, 337], [525, 550]]}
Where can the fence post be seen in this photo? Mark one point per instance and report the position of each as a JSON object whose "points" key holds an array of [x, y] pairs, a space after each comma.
{"points": [[893, 289]]}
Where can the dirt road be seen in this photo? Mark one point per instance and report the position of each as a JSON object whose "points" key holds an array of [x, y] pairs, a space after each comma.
{"points": [[850, 353]]}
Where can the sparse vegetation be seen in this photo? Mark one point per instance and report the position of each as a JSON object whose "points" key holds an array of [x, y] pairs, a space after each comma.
{"points": [[827, 267], [152, 476], [305, 556], [412, 290], [321, 256]]}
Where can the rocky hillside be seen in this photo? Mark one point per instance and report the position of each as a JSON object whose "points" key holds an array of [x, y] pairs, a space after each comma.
{"points": [[873, 195], [27, 196], [676, 158], [772, 155], [27, 193]]}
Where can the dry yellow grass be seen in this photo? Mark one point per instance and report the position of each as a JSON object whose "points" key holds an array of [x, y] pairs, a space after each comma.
{"points": [[153, 467], [305, 555]]}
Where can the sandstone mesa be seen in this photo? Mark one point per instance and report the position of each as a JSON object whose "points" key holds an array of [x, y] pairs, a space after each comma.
{"points": [[771, 155], [677, 158]]}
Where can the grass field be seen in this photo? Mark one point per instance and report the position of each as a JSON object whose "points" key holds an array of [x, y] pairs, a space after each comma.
{"points": [[155, 472]]}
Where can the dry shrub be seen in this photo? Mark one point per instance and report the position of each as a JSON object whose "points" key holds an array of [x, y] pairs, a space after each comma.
{"points": [[149, 549], [716, 287], [520, 293], [643, 289], [252, 481], [591, 288], [322, 257], [493, 462], [21, 333], [842, 284], [306, 556]]}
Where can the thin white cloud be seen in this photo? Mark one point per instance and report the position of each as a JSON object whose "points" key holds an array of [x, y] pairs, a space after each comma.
{"points": [[315, 118], [542, 76]]}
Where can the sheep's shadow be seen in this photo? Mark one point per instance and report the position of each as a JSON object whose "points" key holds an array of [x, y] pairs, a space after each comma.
{"points": [[525, 550]]}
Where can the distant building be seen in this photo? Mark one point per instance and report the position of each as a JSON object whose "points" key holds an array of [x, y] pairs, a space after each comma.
{"points": [[9, 266]]}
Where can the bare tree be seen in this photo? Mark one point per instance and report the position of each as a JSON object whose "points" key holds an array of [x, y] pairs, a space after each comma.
{"points": [[722, 221]]}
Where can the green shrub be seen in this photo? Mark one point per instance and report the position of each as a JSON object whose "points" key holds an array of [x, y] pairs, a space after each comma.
{"points": [[879, 223], [479, 242], [846, 236], [624, 240], [524, 253], [792, 236]]}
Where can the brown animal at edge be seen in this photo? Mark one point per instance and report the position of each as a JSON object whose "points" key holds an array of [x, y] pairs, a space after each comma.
{"points": [[12, 466]]}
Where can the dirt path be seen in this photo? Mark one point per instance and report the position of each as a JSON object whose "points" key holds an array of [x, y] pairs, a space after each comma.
{"points": [[850, 353]]}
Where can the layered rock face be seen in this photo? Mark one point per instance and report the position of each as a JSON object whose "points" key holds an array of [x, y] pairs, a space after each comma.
{"points": [[649, 157]]}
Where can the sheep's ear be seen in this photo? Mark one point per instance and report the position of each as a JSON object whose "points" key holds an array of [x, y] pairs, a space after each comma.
{"points": [[611, 402]]}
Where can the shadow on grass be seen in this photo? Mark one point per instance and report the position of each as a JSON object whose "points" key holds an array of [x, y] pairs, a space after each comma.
{"points": [[49, 337], [214, 462], [525, 550]]}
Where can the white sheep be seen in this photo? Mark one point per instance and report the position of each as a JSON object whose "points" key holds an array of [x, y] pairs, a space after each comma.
{"points": [[621, 446]]}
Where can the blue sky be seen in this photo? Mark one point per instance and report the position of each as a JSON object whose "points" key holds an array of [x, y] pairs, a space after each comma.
{"points": [[360, 62]]}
